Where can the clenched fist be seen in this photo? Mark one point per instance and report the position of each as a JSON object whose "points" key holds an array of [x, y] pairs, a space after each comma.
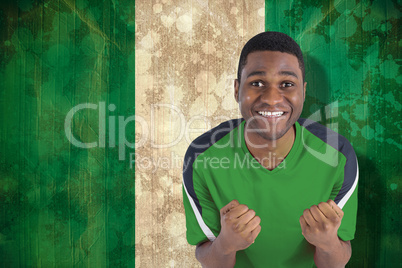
{"points": [[321, 222], [239, 226]]}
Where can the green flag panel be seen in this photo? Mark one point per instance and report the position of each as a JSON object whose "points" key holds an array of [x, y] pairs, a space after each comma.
{"points": [[67, 95], [352, 58]]}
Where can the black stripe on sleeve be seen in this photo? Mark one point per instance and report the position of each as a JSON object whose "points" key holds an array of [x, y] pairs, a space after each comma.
{"points": [[200, 145], [339, 143]]}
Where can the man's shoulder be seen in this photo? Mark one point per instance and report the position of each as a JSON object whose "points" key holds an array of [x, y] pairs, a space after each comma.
{"points": [[212, 136], [326, 135]]}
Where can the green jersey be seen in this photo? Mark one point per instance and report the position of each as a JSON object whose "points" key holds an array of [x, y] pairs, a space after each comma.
{"points": [[218, 168]]}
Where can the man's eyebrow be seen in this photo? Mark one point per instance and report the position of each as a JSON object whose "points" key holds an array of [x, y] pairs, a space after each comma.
{"points": [[259, 73], [287, 73]]}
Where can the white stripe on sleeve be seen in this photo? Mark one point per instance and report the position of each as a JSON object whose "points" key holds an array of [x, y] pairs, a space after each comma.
{"points": [[201, 222], [351, 190]]}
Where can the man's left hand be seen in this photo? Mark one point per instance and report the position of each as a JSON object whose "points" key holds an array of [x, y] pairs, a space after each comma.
{"points": [[320, 223]]}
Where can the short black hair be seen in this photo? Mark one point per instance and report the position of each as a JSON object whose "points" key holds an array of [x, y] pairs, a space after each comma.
{"points": [[271, 41]]}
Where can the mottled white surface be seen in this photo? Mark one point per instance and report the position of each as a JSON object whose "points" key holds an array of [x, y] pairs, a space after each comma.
{"points": [[186, 60]]}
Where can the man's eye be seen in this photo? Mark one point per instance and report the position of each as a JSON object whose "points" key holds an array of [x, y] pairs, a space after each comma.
{"points": [[286, 84], [257, 84]]}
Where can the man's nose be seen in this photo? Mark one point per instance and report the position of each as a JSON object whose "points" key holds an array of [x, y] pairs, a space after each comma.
{"points": [[271, 95]]}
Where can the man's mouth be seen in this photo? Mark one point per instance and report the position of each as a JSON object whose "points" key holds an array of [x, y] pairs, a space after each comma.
{"points": [[271, 114]]}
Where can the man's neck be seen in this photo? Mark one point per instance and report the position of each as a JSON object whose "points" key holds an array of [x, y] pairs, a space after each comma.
{"points": [[270, 153]]}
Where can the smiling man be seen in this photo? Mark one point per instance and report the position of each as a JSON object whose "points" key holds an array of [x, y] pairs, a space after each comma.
{"points": [[270, 189]]}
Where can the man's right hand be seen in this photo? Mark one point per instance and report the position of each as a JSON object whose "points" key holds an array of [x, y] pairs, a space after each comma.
{"points": [[239, 227]]}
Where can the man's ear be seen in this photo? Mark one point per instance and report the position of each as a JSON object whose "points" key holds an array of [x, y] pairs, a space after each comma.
{"points": [[236, 90], [304, 91]]}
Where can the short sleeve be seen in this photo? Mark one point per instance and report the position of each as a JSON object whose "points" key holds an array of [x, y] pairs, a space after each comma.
{"points": [[202, 215], [346, 198]]}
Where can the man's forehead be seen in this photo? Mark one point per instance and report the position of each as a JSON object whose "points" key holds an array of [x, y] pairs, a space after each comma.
{"points": [[273, 59], [273, 55]]}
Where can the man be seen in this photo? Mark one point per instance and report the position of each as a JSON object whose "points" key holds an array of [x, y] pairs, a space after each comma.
{"points": [[271, 189]]}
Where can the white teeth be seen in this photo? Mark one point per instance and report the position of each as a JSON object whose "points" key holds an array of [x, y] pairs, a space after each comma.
{"points": [[264, 113]]}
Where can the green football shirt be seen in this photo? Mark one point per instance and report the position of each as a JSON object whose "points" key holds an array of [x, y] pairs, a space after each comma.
{"points": [[218, 168]]}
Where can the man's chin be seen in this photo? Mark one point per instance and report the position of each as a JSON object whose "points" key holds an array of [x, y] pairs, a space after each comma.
{"points": [[271, 136], [274, 135]]}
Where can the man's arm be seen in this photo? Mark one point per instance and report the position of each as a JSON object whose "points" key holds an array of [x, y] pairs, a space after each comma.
{"points": [[337, 255], [212, 254], [320, 226], [239, 228]]}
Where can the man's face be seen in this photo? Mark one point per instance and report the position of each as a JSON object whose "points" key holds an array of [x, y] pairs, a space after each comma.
{"points": [[271, 93]]}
